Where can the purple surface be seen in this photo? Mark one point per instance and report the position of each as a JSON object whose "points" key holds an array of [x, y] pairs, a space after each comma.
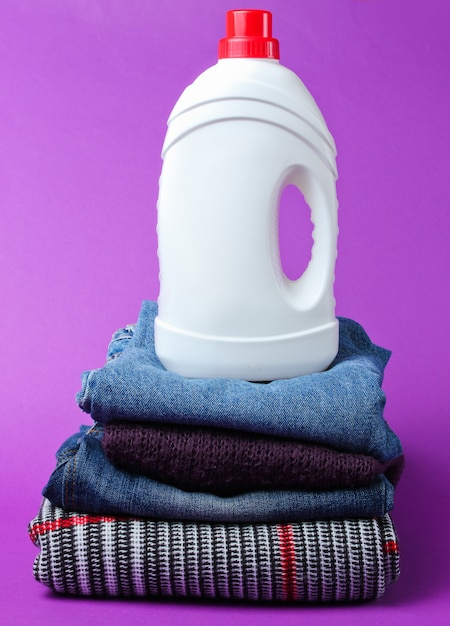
{"points": [[85, 91]]}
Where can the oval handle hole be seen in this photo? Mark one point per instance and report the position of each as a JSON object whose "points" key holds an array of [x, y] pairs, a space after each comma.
{"points": [[295, 232]]}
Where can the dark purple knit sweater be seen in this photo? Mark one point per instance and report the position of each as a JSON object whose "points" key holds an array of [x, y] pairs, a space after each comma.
{"points": [[227, 463]]}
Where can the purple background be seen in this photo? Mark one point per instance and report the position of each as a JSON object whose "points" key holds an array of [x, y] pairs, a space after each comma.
{"points": [[86, 87]]}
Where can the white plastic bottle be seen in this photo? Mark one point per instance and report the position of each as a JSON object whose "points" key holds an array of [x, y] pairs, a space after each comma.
{"points": [[244, 130]]}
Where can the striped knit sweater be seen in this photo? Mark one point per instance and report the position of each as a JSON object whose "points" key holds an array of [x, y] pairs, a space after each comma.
{"points": [[337, 560]]}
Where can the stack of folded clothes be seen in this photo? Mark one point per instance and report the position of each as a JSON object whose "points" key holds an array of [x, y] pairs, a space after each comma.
{"points": [[222, 488]]}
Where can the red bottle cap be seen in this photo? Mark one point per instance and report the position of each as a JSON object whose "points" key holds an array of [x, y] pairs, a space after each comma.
{"points": [[249, 35]]}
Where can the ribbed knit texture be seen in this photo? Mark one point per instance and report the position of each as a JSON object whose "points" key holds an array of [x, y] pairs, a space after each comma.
{"points": [[227, 463], [322, 561]]}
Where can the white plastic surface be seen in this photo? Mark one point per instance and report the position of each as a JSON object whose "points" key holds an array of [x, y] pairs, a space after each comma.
{"points": [[242, 132]]}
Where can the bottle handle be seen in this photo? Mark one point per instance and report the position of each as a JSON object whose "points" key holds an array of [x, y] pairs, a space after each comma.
{"points": [[320, 196]]}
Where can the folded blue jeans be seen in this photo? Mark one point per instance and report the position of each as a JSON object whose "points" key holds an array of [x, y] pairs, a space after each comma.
{"points": [[85, 481], [341, 407]]}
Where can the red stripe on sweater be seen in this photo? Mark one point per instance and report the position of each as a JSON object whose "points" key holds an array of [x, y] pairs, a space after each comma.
{"points": [[288, 561], [67, 522], [390, 547]]}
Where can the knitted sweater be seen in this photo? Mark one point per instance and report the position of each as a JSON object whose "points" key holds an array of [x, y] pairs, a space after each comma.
{"points": [[321, 561], [226, 462]]}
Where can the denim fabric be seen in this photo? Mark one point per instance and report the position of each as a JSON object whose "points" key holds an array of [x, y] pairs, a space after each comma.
{"points": [[85, 481], [341, 407]]}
